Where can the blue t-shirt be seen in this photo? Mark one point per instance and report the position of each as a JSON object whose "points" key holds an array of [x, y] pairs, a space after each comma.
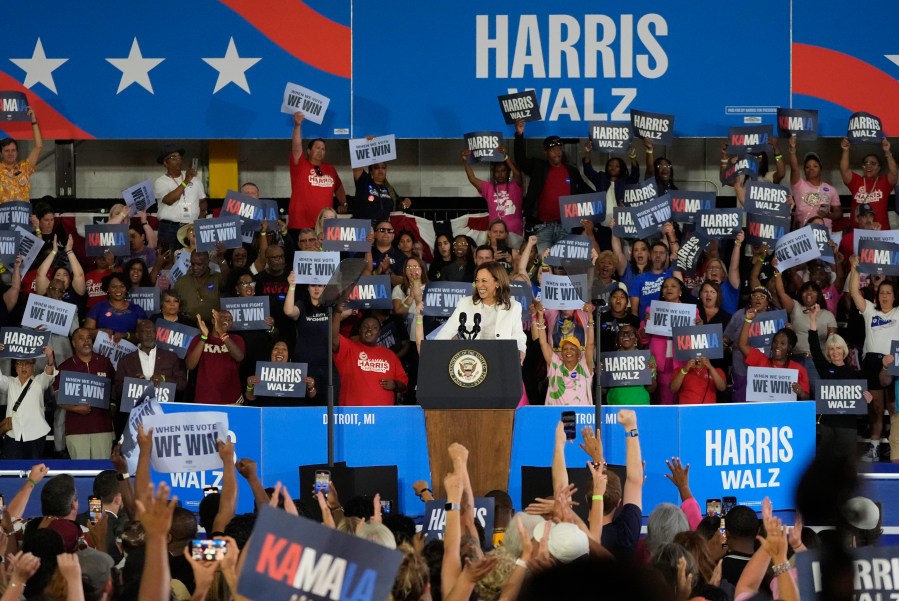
{"points": [[730, 297], [114, 319], [647, 286]]}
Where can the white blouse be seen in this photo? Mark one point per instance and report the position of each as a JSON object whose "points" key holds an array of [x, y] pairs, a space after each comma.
{"points": [[28, 422]]}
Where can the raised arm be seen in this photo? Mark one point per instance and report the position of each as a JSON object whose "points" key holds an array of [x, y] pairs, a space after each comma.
{"points": [[779, 168], [296, 140], [195, 352], [291, 310], [513, 167], [524, 259], [35, 153], [538, 332], [559, 470], [633, 488], [794, 162], [786, 301], [854, 292], [650, 167], [469, 172], [892, 171], [335, 327], [743, 340], [733, 270], [16, 507], [155, 514], [247, 468], [11, 296], [228, 501], [41, 281], [845, 172], [618, 250]]}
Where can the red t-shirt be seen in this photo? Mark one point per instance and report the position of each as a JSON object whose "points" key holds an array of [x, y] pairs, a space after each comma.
{"points": [[558, 183], [361, 370], [310, 191], [874, 192], [698, 388], [756, 358], [218, 374], [98, 420], [93, 281]]}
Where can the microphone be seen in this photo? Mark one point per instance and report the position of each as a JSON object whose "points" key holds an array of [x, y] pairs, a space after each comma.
{"points": [[477, 325], [463, 317]]}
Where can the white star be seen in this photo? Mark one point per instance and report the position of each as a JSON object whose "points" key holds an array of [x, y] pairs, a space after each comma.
{"points": [[893, 57], [39, 68], [231, 68], [135, 68]]}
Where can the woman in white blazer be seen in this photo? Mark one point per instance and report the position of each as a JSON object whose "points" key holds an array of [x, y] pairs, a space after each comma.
{"points": [[500, 314]]}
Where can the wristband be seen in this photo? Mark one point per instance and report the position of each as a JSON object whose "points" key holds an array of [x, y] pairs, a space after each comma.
{"points": [[632, 156], [422, 491], [597, 497], [780, 568], [632, 433], [162, 376], [33, 483], [518, 563], [202, 337], [183, 185], [683, 371], [249, 388], [419, 321], [778, 157], [649, 151], [747, 320], [291, 287], [333, 509]]}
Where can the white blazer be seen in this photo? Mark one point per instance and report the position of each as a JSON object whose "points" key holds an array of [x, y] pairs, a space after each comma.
{"points": [[508, 322]]}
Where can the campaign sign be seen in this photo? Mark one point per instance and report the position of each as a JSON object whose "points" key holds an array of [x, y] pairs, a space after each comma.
{"points": [[102, 237], [29, 248], [652, 215], [77, 388], [560, 292], [693, 342], [146, 297], [434, 522], [637, 194], [891, 236], [139, 197], [610, 136], [23, 343], [248, 312], [186, 442], [483, 146], [180, 267], [371, 292], [441, 298], [766, 229], [9, 246], [290, 557], [365, 152], [251, 211], [133, 389], [175, 337], [524, 294], [796, 248], [685, 204], [577, 207], [210, 231], [746, 165], [822, 237], [749, 450], [625, 225], [865, 127], [765, 198], [55, 316], [657, 127], [626, 368], [114, 351], [749, 139], [893, 368], [346, 235], [718, 224], [572, 250], [799, 122], [874, 572], [15, 212], [765, 326], [281, 379], [663, 316], [878, 257], [520, 106], [299, 99], [689, 253], [313, 267], [770, 384], [14, 106], [841, 397]]}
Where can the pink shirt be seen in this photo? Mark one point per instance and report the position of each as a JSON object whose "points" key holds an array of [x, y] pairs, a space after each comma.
{"points": [[504, 201], [809, 198]]}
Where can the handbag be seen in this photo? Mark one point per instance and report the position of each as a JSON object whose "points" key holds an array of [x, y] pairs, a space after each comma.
{"points": [[6, 424]]}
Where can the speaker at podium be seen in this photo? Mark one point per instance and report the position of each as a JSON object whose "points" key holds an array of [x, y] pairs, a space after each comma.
{"points": [[469, 390]]}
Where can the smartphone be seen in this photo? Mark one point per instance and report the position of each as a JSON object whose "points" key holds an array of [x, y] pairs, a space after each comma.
{"points": [[713, 507], [727, 503], [195, 163], [568, 420], [95, 508], [210, 490], [322, 478], [385, 505], [2, 506], [208, 550]]}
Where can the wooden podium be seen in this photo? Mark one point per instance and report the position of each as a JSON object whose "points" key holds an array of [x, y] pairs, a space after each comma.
{"points": [[469, 390]]}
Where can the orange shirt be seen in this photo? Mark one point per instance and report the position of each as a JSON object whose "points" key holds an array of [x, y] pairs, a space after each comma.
{"points": [[15, 183]]}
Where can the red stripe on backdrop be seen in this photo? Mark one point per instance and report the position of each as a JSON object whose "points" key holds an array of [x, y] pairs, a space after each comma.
{"points": [[846, 81], [299, 30], [53, 125]]}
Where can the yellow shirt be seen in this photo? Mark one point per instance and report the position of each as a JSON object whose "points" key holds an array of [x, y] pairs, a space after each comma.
{"points": [[15, 183]]}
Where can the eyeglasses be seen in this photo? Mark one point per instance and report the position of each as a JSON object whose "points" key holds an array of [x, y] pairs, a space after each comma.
{"points": [[302, 240], [418, 267], [173, 156], [460, 243], [247, 284], [385, 230], [870, 163]]}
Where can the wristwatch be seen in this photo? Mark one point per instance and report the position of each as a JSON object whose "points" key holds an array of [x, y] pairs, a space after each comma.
{"points": [[122, 477], [452, 507], [633, 433]]}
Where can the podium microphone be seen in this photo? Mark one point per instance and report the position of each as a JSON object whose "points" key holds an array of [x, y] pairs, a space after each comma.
{"points": [[477, 326], [463, 317]]}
